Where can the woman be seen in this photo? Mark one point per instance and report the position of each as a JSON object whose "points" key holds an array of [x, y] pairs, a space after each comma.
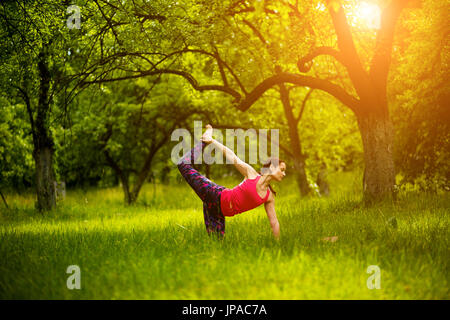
{"points": [[220, 202]]}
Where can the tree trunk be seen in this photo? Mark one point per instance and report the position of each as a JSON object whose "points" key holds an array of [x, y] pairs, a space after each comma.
{"points": [[379, 173], [143, 174], [299, 168], [123, 176], [4, 200], [298, 157], [45, 187], [128, 196], [43, 143]]}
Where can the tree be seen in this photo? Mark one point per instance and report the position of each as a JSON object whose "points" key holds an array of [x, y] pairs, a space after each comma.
{"points": [[421, 96], [126, 124], [31, 58], [371, 106], [362, 87], [45, 63]]}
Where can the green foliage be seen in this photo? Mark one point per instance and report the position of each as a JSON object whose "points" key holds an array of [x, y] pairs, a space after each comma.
{"points": [[421, 92], [129, 121], [330, 136], [121, 39], [16, 162]]}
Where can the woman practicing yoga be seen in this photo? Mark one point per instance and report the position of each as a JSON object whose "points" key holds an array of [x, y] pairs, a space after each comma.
{"points": [[220, 202]]}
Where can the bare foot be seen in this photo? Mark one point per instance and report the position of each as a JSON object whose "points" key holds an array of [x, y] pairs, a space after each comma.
{"points": [[330, 239], [207, 136]]}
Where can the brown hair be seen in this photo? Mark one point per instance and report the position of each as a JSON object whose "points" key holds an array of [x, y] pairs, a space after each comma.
{"points": [[266, 165]]}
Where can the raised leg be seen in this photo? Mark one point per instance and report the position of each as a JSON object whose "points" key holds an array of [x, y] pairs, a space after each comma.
{"points": [[206, 189]]}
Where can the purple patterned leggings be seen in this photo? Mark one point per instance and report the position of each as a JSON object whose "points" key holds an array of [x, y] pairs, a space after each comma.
{"points": [[207, 190]]}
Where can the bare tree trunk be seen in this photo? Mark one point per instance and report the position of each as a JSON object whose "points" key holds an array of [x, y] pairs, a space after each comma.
{"points": [[45, 178], [143, 174], [379, 174], [128, 196], [299, 168], [43, 143], [298, 157], [123, 176]]}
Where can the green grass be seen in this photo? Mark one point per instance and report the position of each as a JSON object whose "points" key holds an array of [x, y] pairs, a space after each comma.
{"points": [[159, 249]]}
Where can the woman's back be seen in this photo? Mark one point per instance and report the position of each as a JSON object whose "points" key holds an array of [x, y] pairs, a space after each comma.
{"points": [[242, 198]]}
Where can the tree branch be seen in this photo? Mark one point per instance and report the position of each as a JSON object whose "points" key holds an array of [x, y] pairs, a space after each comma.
{"points": [[109, 22], [381, 59], [302, 109], [183, 74], [220, 65], [299, 80], [304, 64], [26, 99], [349, 56], [146, 17], [255, 31]]}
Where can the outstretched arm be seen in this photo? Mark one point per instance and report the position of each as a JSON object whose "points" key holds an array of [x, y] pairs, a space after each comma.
{"points": [[245, 169], [269, 205]]}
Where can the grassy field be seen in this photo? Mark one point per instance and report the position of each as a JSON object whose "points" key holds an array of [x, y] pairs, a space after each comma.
{"points": [[159, 249]]}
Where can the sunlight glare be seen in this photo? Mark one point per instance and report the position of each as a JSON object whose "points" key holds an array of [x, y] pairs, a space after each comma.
{"points": [[368, 14]]}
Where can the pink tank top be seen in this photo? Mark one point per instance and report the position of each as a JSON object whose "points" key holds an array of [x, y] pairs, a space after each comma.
{"points": [[241, 198]]}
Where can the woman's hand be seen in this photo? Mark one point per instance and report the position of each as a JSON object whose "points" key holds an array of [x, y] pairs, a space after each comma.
{"points": [[207, 136]]}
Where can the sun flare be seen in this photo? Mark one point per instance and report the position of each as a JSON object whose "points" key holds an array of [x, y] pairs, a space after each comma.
{"points": [[367, 14]]}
